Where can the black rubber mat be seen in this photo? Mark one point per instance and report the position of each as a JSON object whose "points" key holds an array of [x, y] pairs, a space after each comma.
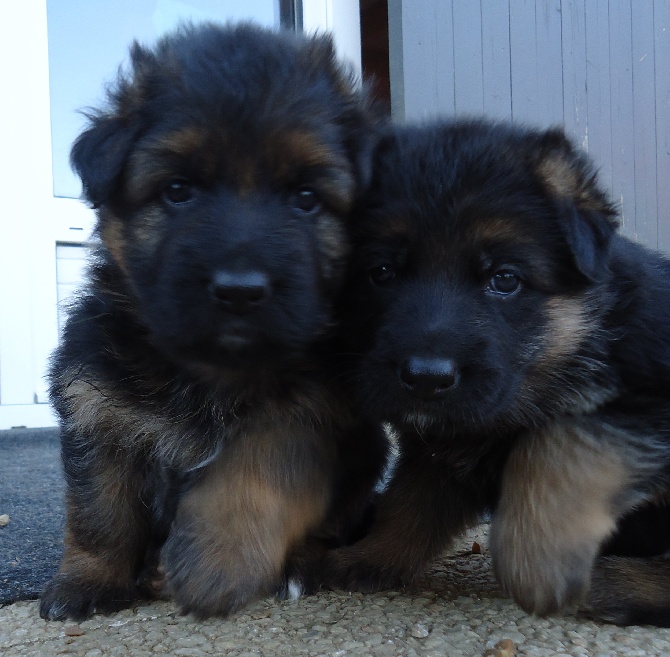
{"points": [[31, 494]]}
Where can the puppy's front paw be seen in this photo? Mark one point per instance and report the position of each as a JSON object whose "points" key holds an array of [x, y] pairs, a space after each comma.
{"points": [[67, 597], [210, 579], [543, 576], [353, 569]]}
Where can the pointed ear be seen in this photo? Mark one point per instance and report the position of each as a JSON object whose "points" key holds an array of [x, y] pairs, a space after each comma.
{"points": [[588, 219], [588, 233], [99, 153], [360, 116]]}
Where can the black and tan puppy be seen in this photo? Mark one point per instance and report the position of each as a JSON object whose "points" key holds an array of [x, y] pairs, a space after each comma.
{"points": [[197, 358], [521, 349]]}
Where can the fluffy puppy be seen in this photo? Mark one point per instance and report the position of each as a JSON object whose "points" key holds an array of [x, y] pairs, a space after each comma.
{"points": [[520, 349], [198, 356]]}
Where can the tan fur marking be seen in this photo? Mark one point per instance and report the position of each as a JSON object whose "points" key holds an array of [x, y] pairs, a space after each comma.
{"points": [[149, 231], [499, 230], [621, 586], [112, 236], [113, 511], [562, 180], [305, 148], [395, 228], [291, 151], [559, 176], [333, 243], [96, 409], [98, 568], [569, 324], [186, 141], [154, 164], [556, 508]]}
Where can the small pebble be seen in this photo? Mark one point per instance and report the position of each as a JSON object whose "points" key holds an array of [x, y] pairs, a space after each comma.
{"points": [[476, 548], [419, 631], [504, 648], [4, 520], [73, 630]]}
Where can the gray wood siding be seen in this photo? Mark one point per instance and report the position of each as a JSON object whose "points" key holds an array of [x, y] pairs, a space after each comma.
{"points": [[601, 68]]}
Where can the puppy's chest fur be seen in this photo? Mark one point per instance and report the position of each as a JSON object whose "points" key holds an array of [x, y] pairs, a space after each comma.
{"points": [[136, 402]]}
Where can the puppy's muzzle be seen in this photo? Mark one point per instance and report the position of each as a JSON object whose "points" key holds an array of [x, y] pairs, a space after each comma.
{"points": [[428, 378], [239, 292]]}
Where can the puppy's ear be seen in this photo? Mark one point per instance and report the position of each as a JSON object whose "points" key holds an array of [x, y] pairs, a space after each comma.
{"points": [[362, 145], [587, 216], [360, 116], [99, 153]]}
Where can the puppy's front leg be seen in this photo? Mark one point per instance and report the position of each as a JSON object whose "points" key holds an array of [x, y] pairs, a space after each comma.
{"points": [[106, 535], [563, 489], [234, 529], [425, 506]]}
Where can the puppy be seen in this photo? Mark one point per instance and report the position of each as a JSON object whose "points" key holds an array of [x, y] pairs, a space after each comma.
{"points": [[197, 361], [520, 348]]}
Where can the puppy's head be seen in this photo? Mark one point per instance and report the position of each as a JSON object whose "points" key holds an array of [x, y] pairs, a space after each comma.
{"points": [[221, 171], [480, 269]]}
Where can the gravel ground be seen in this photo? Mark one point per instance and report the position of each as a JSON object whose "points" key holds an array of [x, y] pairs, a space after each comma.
{"points": [[455, 611]]}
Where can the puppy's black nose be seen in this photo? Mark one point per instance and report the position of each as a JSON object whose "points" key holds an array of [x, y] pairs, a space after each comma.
{"points": [[239, 292], [428, 378]]}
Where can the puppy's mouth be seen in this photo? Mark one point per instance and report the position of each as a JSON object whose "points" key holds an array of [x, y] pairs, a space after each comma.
{"points": [[235, 340], [420, 421]]}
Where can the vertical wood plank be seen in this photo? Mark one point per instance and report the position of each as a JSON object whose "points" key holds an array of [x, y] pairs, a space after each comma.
{"points": [[644, 122], [548, 61], [396, 59], [427, 66], [444, 37], [467, 32], [621, 113], [573, 32], [496, 72], [662, 119], [535, 44], [598, 88], [522, 54]]}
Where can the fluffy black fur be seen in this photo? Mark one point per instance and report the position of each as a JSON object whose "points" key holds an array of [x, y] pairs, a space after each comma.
{"points": [[198, 356], [520, 348]]}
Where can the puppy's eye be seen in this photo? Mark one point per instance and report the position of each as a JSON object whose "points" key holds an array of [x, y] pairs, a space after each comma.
{"points": [[504, 282], [381, 274], [178, 192], [305, 200]]}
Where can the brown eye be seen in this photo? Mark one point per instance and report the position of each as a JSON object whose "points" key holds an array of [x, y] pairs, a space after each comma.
{"points": [[178, 192], [381, 274], [305, 200], [504, 282]]}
